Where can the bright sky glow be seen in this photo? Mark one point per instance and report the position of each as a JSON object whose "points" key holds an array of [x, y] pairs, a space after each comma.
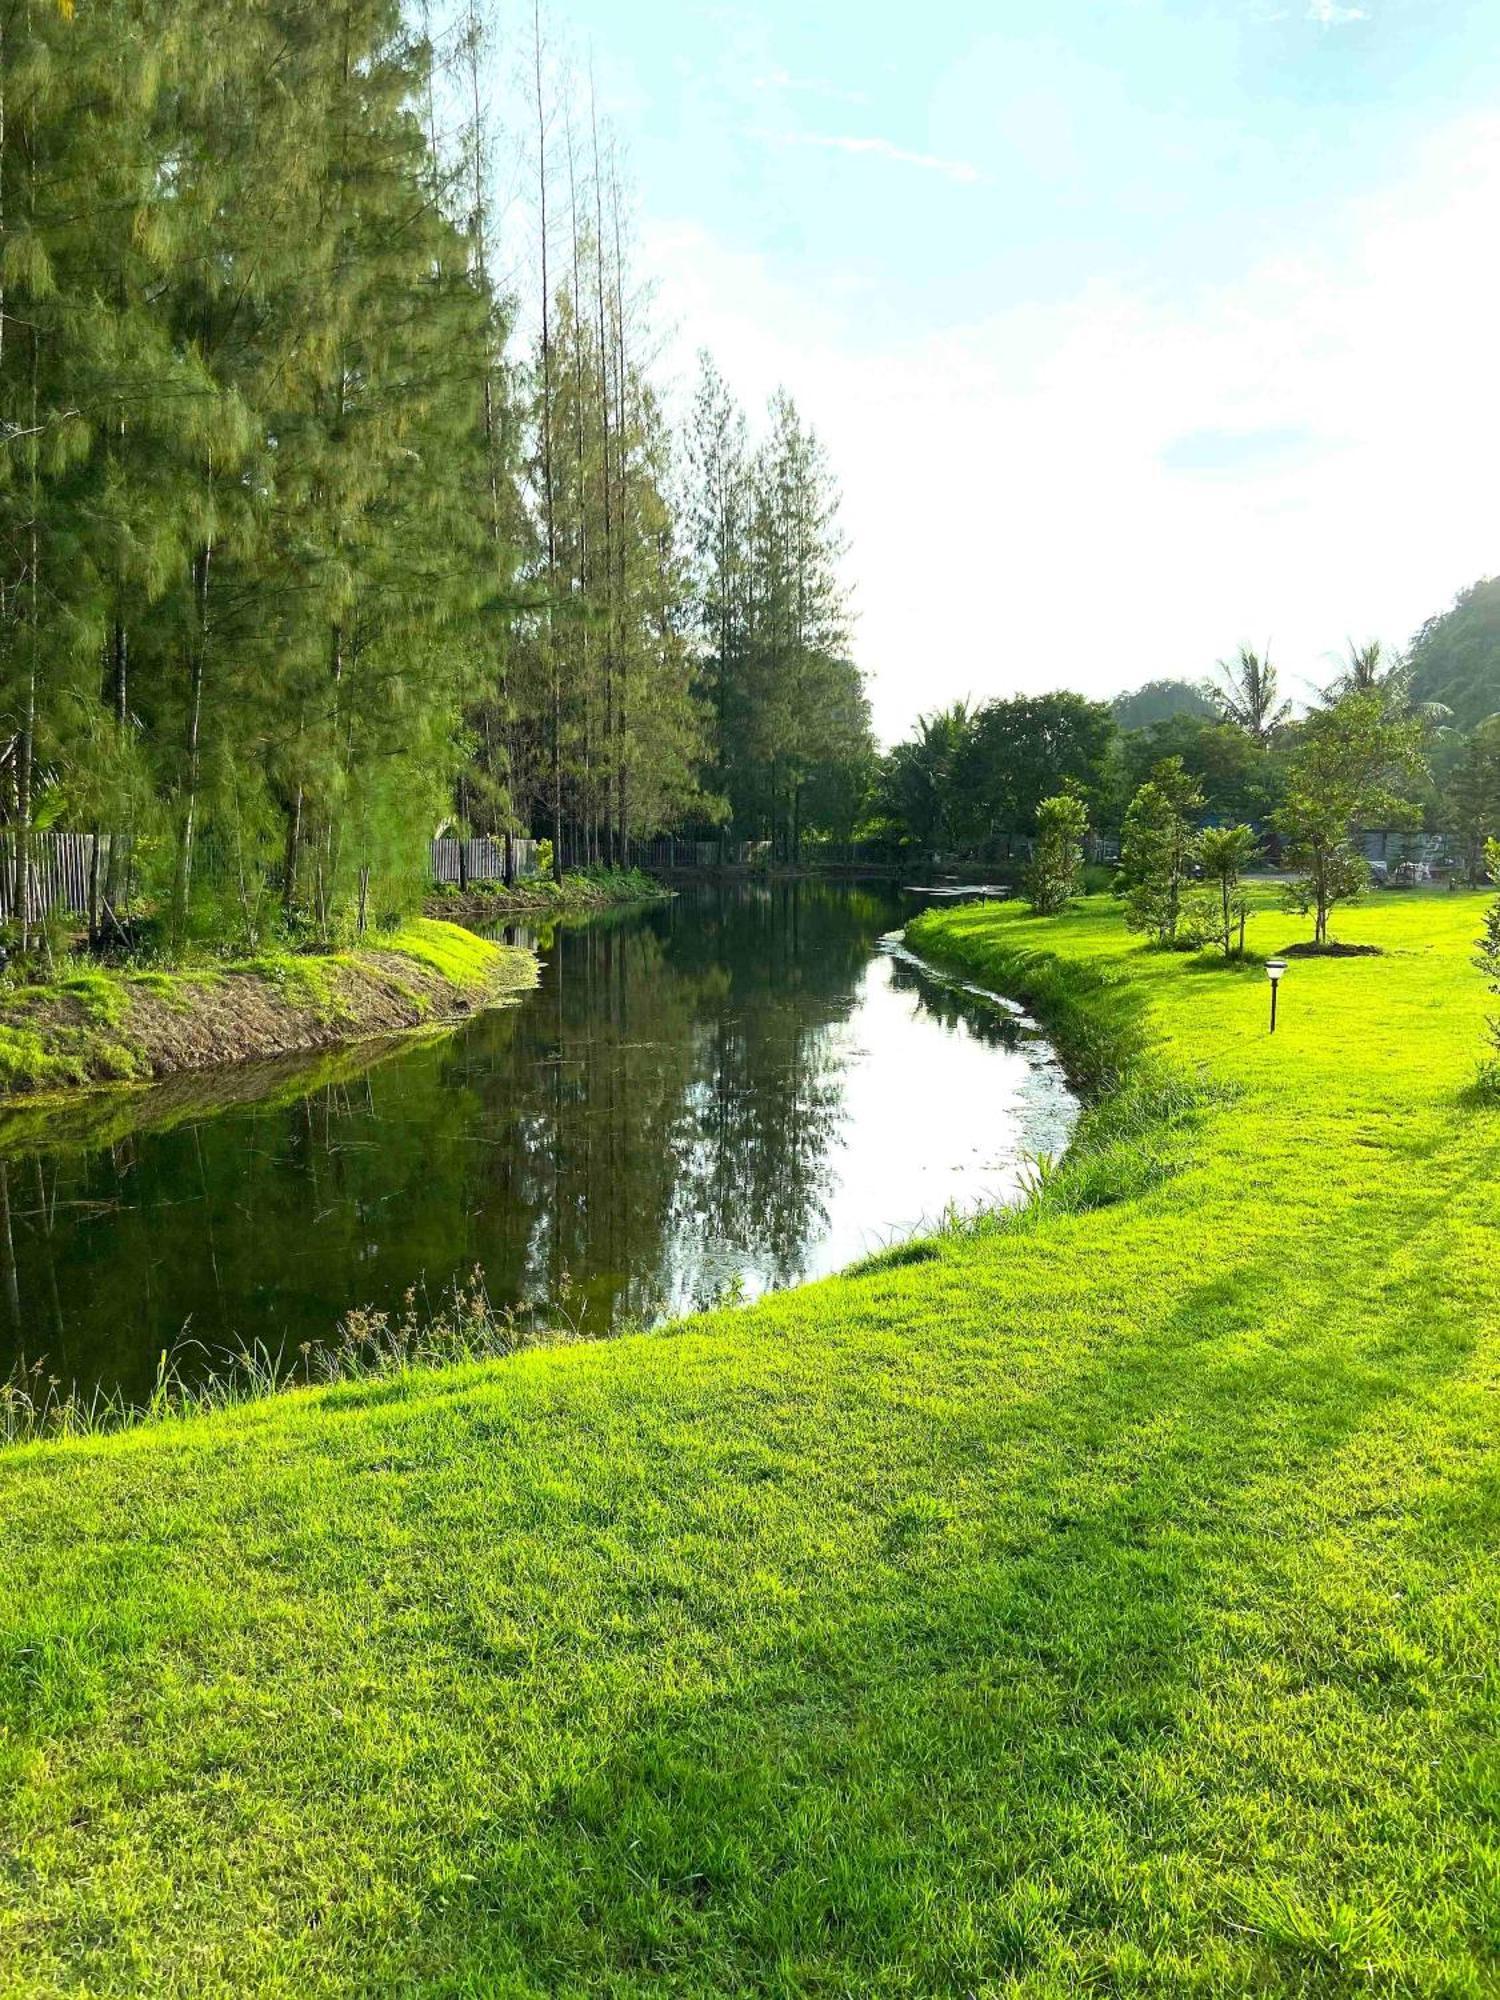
{"points": [[1136, 328]]}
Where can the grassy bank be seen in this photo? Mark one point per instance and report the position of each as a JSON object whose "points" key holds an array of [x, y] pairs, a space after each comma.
{"points": [[106, 1026], [577, 894], [1102, 1601]]}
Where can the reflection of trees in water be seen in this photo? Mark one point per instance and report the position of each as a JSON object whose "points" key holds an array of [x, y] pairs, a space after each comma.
{"points": [[768, 1105], [984, 1018], [683, 1093], [677, 1079]]}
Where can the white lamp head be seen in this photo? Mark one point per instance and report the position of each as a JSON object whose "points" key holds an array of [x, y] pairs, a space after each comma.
{"points": [[1274, 969]]}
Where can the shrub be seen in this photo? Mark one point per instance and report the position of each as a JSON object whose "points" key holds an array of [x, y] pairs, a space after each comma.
{"points": [[1157, 850], [1225, 852], [1053, 874]]}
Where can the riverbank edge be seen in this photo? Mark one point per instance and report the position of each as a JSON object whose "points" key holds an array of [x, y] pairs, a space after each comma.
{"points": [[1136, 1099], [1090, 1013], [103, 1029], [575, 896], [1102, 1058]]}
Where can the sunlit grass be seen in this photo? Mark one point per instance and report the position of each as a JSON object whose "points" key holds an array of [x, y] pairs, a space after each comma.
{"points": [[1099, 1602]]}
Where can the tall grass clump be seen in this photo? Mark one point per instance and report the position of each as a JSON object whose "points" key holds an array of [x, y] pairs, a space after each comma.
{"points": [[367, 1345]]}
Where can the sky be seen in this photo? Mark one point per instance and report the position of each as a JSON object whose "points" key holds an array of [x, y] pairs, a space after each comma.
{"points": [[1136, 329]]}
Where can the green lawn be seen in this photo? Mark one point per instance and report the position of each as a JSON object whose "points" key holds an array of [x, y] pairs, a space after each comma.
{"points": [[1108, 1603]]}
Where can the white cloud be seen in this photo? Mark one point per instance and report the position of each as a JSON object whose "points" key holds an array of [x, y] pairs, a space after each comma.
{"points": [[1024, 510], [1330, 14], [783, 80], [884, 149]]}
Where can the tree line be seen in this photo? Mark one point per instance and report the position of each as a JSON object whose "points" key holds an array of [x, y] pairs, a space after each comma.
{"points": [[972, 779], [338, 502]]}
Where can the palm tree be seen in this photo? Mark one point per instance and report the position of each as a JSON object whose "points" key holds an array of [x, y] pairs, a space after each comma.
{"points": [[1247, 695], [1372, 669]]}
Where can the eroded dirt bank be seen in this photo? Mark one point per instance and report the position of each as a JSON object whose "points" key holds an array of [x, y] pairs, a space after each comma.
{"points": [[104, 1027]]}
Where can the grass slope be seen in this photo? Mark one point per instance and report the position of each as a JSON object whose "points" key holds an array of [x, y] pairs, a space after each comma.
{"points": [[102, 1026], [1105, 1602], [579, 893]]}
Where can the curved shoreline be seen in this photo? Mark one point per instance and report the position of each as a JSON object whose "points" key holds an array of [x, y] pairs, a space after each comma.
{"points": [[240, 1374]]}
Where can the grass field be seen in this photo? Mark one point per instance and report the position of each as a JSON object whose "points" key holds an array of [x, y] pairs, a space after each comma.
{"points": [[1105, 1602]]}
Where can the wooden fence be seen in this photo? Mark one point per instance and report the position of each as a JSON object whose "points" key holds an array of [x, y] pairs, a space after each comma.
{"points": [[670, 853], [483, 861], [60, 867]]}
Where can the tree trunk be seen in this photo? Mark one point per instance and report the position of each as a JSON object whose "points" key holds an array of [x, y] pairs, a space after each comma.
{"points": [[549, 506], [119, 669], [94, 890], [293, 854], [182, 887]]}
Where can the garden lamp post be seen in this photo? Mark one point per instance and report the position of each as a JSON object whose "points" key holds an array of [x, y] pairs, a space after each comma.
{"points": [[1274, 969]]}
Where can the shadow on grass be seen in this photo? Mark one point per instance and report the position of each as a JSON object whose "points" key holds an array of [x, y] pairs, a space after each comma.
{"points": [[1210, 962], [987, 1754]]}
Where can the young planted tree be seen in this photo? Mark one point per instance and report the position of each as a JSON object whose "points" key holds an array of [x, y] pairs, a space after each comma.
{"points": [[1224, 852], [1487, 961], [1157, 850], [1347, 774], [1056, 868]]}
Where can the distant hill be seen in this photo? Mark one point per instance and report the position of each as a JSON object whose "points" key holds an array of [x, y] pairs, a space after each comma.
{"points": [[1455, 658], [1159, 701]]}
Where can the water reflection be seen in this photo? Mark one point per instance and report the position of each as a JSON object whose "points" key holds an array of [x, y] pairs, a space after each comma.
{"points": [[741, 1086]]}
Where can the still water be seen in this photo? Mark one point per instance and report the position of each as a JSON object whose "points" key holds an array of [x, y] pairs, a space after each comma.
{"points": [[731, 1091]]}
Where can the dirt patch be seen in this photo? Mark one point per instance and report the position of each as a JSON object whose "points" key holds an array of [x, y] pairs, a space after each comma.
{"points": [[145, 1030]]}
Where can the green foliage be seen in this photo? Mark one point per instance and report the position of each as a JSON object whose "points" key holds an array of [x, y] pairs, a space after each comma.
{"points": [[919, 779], [1455, 659], [1224, 853], [250, 356], [1056, 867], [1249, 697], [1472, 804], [1348, 771], [791, 748], [1157, 851], [297, 562], [973, 778], [1239, 778]]}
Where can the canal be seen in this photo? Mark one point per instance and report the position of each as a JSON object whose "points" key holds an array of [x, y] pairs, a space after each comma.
{"points": [[735, 1090]]}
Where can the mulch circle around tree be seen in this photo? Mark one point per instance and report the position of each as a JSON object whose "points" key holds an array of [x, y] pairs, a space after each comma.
{"points": [[1332, 950]]}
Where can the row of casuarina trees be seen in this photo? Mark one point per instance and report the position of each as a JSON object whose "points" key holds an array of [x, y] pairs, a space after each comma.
{"points": [[337, 499]]}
